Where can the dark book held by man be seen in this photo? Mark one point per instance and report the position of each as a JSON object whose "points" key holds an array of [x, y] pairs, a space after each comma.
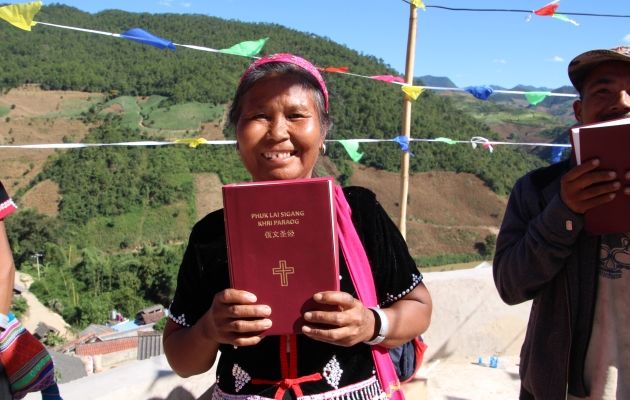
{"points": [[610, 143], [282, 246]]}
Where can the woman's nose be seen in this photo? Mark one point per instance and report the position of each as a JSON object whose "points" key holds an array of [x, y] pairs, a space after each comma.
{"points": [[278, 128]]}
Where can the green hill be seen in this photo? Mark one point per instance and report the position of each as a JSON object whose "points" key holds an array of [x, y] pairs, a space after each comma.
{"points": [[438, 81], [117, 200]]}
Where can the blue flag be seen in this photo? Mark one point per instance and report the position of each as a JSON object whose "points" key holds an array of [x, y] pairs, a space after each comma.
{"points": [[556, 154], [403, 141], [142, 36], [480, 92]]}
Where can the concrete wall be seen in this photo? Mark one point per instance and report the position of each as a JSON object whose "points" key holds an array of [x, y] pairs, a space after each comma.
{"points": [[470, 319], [107, 360]]}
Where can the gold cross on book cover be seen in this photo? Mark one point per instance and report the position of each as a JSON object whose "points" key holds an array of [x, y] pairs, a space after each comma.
{"points": [[284, 271], [282, 246]]}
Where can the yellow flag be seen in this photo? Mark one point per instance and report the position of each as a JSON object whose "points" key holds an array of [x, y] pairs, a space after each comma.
{"points": [[413, 91], [192, 142], [419, 4], [21, 15]]}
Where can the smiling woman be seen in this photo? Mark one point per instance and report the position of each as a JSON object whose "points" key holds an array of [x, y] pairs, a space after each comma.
{"points": [[280, 113]]}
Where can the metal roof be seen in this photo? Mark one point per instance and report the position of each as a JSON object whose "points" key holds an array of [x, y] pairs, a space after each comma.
{"points": [[149, 345]]}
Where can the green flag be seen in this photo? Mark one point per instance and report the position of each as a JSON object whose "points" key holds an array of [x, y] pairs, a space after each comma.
{"points": [[445, 140], [536, 97], [352, 147], [246, 49]]}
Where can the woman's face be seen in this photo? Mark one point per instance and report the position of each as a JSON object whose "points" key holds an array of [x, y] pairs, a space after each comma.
{"points": [[278, 133]]}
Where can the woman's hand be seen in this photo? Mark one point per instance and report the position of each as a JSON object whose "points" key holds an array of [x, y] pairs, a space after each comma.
{"points": [[353, 324], [234, 319]]}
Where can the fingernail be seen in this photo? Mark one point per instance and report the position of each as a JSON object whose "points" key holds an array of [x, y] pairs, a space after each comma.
{"points": [[612, 195], [266, 310], [306, 329], [595, 162], [616, 184], [318, 296], [267, 324], [612, 174], [251, 297], [308, 315]]}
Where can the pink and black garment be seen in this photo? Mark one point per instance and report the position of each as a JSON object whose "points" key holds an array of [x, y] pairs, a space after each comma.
{"points": [[7, 206], [297, 367]]}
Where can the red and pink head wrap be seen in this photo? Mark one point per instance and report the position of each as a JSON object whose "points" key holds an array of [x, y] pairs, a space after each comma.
{"points": [[291, 59]]}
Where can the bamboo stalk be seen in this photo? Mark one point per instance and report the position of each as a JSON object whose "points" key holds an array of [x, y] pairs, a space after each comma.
{"points": [[406, 125]]}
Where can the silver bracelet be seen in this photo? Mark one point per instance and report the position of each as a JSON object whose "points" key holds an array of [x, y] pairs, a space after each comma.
{"points": [[384, 326]]}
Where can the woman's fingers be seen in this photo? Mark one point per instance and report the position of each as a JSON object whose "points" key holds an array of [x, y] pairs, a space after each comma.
{"points": [[340, 336], [236, 319], [233, 296]]}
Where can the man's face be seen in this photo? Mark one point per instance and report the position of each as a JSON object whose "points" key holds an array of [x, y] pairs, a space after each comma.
{"points": [[605, 94]]}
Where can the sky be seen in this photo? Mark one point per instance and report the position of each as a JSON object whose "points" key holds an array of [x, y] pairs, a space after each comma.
{"points": [[471, 48]]}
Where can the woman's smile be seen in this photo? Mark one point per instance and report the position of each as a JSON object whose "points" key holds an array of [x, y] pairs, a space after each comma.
{"points": [[278, 155]]}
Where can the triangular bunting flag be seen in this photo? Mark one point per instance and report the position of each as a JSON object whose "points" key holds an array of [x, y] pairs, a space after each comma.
{"points": [[192, 142], [340, 70], [352, 147], [419, 4], [413, 91], [21, 15], [480, 92], [565, 18], [246, 49], [548, 10], [536, 97], [388, 78], [446, 140], [142, 36], [403, 141]]}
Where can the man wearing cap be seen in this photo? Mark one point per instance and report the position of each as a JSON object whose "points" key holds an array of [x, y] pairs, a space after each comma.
{"points": [[577, 343]]}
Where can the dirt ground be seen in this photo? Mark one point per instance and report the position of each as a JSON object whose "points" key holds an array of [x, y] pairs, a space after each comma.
{"points": [[448, 212], [28, 126], [44, 197], [462, 379], [37, 312]]}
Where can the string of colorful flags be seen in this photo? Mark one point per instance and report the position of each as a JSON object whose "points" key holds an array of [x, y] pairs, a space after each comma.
{"points": [[350, 145], [548, 10], [22, 16]]}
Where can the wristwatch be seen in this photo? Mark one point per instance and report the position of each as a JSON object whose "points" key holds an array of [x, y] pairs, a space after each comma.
{"points": [[4, 322], [384, 326]]}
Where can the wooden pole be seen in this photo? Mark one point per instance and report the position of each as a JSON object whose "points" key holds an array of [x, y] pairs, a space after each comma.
{"points": [[406, 125]]}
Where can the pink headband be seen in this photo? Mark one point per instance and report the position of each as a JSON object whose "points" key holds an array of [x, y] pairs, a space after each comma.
{"points": [[291, 59]]}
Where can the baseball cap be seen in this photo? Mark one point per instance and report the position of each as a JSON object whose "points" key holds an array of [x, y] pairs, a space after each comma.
{"points": [[582, 65]]}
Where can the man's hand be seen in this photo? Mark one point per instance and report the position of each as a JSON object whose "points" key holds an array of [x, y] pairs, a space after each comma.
{"points": [[235, 319], [354, 324], [582, 188]]}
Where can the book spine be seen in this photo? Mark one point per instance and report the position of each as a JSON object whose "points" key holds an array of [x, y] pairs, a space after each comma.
{"points": [[227, 233]]}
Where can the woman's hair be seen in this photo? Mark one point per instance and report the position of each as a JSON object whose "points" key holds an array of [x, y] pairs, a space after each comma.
{"points": [[304, 79]]}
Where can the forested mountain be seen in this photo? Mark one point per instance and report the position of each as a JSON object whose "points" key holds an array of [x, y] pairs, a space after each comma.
{"points": [[69, 60], [439, 81], [108, 194]]}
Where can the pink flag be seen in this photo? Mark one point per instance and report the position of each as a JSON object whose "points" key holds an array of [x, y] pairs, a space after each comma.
{"points": [[388, 78]]}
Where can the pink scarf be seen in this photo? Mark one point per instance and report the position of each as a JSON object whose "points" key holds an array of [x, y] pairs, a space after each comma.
{"points": [[361, 275]]}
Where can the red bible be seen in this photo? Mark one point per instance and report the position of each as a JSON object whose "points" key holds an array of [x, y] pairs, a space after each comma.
{"points": [[282, 245], [610, 143]]}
